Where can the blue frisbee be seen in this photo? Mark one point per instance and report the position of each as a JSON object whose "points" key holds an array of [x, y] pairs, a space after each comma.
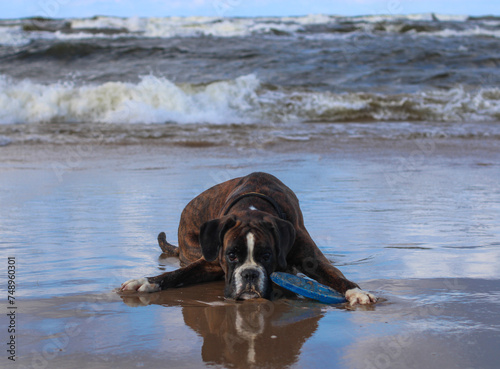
{"points": [[307, 288]]}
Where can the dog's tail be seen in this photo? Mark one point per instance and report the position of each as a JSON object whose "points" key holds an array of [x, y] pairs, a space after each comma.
{"points": [[167, 248]]}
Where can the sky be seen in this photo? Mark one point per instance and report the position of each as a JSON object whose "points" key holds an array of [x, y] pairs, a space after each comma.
{"points": [[240, 8]]}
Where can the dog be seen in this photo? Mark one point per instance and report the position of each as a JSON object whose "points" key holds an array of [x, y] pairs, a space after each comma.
{"points": [[243, 230]]}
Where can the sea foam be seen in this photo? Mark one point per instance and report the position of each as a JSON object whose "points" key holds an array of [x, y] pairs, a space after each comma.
{"points": [[13, 36], [310, 26], [152, 100], [239, 101]]}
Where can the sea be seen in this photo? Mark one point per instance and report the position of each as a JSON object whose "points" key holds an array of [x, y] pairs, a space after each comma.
{"points": [[213, 81]]}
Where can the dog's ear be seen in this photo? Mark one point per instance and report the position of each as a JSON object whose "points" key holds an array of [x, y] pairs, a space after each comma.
{"points": [[212, 236], [284, 233]]}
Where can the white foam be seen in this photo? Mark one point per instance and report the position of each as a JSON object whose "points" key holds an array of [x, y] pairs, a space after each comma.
{"points": [[412, 17], [454, 105], [171, 26], [471, 32], [152, 100], [451, 17], [133, 24], [242, 100], [13, 36], [196, 26], [238, 27], [168, 27]]}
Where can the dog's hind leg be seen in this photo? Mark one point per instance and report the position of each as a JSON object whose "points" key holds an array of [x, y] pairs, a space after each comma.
{"points": [[167, 248]]}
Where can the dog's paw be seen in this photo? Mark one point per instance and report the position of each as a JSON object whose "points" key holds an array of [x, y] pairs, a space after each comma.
{"points": [[358, 296], [140, 285]]}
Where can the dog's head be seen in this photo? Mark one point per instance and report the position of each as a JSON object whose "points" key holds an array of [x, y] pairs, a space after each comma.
{"points": [[249, 249]]}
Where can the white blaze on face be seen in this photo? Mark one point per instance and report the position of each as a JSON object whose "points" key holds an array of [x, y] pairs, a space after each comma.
{"points": [[249, 264], [250, 247]]}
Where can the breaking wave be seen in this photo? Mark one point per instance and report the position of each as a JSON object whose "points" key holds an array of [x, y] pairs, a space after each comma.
{"points": [[21, 32], [239, 101], [431, 24]]}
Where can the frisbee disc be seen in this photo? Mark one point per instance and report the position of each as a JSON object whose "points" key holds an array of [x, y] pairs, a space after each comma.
{"points": [[307, 288]]}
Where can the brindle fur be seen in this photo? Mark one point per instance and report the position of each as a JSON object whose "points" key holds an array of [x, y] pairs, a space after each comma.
{"points": [[303, 256]]}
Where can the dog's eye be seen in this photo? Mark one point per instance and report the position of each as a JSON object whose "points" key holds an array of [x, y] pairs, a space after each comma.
{"points": [[231, 256], [266, 256]]}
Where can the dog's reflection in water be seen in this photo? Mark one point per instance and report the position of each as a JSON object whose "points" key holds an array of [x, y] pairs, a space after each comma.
{"points": [[243, 334]]}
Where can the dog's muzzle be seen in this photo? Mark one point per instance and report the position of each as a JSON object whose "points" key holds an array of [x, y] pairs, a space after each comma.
{"points": [[250, 283]]}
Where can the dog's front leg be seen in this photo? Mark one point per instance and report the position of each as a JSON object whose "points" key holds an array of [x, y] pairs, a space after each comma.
{"points": [[315, 265], [327, 274], [199, 271]]}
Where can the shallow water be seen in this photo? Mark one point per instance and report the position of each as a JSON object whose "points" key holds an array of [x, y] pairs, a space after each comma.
{"points": [[416, 223], [423, 323]]}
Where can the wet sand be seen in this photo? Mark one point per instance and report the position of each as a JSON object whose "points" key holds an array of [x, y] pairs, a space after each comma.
{"points": [[415, 222]]}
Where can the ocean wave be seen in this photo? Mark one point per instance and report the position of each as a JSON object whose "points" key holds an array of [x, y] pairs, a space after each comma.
{"points": [[320, 25], [192, 26], [471, 32], [422, 24], [454, 105], [62, 50], [13, 36], [152, 100], [425, 17], [243, 100]]}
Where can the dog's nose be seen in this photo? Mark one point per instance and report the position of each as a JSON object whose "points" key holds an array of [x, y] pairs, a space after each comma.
{"points": [[250, 275]]}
